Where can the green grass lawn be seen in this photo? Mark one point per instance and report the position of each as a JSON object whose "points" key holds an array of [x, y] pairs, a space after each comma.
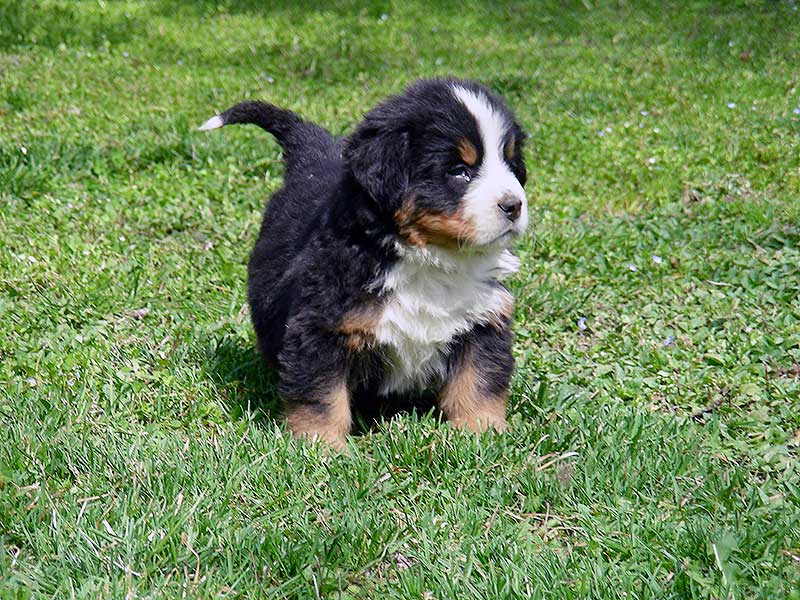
{"points": [[656, 407]]}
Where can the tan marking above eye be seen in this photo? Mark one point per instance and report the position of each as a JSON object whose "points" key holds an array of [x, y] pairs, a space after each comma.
{"points": [[511, 147], [467, 152]]}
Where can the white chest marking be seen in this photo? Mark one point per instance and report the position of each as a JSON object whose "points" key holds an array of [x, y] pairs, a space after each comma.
{"points": [[433, 295]]}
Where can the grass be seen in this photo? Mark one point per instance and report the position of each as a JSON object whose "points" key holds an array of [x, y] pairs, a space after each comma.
{"points": [[656, 405]]}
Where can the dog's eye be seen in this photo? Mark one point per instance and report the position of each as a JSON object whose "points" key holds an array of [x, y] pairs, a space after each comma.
{"points": [[460, 171]]}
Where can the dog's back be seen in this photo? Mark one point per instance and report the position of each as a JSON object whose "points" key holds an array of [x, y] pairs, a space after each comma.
{"points": [[313, 161]]}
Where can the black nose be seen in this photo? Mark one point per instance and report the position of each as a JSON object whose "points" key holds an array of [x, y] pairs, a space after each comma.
{"points": [[511, 206]]}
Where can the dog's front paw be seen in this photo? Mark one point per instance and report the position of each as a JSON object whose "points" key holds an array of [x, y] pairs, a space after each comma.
{"points": [[334, 442], [481, 421]]}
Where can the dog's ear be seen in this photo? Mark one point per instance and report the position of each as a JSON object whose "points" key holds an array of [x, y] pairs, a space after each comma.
{"points": [[378, 155]]}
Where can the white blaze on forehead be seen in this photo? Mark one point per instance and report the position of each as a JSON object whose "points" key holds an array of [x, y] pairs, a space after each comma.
{"points": [[494, 179], [493, 126]]}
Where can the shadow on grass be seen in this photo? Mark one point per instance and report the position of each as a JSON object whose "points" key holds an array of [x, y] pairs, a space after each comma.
{"points": [[247, 386]]}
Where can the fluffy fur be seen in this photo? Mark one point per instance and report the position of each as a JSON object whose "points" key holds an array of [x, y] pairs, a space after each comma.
{"points": [[376, 276]]}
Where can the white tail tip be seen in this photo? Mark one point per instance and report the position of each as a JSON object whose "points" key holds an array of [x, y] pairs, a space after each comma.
{"points": [[213, 123]]}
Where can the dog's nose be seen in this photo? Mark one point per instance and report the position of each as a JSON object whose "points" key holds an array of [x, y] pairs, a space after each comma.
{"points": [[511, 206]]}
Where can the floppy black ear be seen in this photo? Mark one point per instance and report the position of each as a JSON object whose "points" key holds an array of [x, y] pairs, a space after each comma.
{"points": [[518, 159], [378, 155]]}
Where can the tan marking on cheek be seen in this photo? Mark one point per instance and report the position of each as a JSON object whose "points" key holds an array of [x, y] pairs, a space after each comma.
{"points": [[511, 147], [421, 227], [358, 326], [330, 424], [444, 230], [466, 407], [467, 152]]}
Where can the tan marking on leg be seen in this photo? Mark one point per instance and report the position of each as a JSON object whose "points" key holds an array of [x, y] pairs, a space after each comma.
{"points": [[467, 152], [331, 425], [358, 325], [421, 227], [466, 407]]}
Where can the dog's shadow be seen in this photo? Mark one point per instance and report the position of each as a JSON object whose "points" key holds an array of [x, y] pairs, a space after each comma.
{"points": [[247, 387]]}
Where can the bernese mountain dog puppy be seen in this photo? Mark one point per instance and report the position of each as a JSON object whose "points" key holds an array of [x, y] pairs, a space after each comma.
{"points": [[377, 275]]}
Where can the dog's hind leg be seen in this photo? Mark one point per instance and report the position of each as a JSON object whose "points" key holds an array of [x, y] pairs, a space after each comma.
{"points": [[326, 418], [314, 384]]}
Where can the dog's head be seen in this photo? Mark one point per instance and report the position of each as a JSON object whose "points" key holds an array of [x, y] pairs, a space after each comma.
{"points": [[444, 159]]}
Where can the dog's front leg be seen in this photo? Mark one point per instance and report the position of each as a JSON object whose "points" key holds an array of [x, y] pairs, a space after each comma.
{"points": [[313, 386], [474, 396]]}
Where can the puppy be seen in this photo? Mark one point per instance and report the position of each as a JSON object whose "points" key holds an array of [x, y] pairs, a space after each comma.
{"points": [[376, 276]]}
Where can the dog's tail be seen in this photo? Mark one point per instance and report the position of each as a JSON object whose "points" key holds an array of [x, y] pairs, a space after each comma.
{"points": [[296, 136], [277, 121]]}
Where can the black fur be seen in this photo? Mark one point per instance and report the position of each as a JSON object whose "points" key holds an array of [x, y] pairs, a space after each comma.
{"points": [[329, 236]]}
